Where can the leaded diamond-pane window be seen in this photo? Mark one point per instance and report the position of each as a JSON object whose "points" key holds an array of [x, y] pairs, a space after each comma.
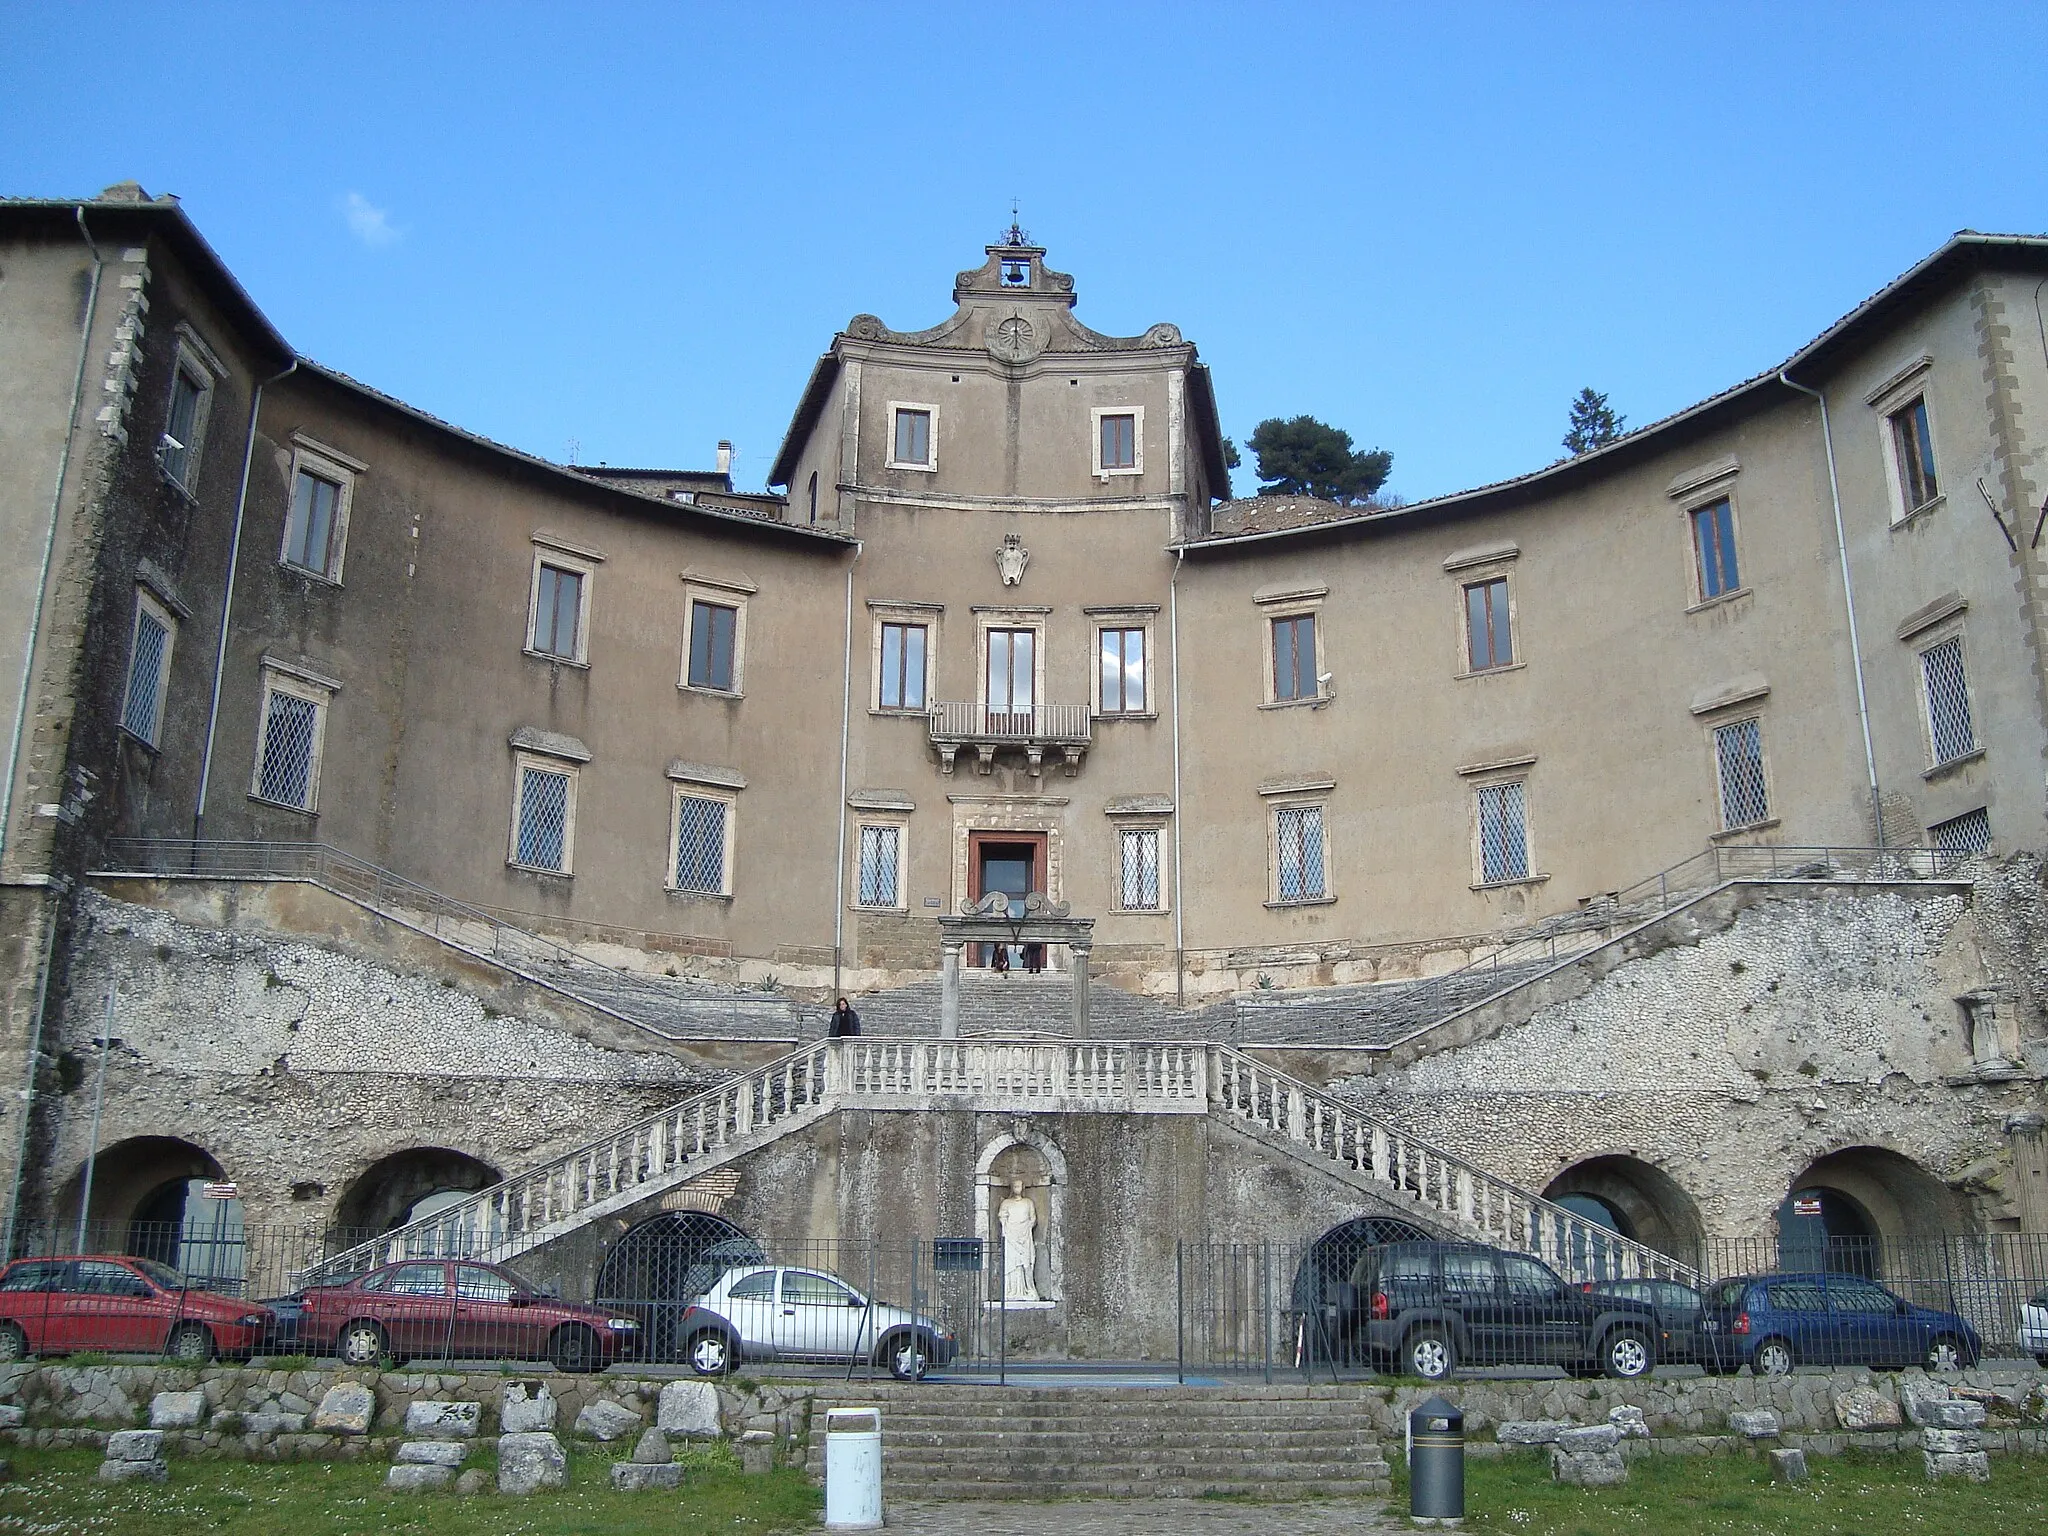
{"points": [[1138, 869], [1967, 833], [142, 711], [1948, 701], [291, 731], [1739, 760], [1299, 830], [543, 820], [1503, 836], [700, 844], [880, 861]]}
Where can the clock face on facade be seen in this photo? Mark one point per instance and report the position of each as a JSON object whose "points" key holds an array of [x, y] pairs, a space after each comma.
{"points": [[1013, 339]]}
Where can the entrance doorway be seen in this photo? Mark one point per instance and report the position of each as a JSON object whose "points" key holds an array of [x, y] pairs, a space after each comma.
{"points": [[1013, 863]]}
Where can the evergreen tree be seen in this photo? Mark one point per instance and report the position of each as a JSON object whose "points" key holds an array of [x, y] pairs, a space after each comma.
{"points": [[1306, 457], [1593, 425]]}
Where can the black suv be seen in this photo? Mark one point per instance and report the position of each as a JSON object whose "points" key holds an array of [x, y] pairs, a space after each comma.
{"points": [[1425, 1308]]}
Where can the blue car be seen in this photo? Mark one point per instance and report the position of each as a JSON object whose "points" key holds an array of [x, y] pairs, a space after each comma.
{"points": [[1772, 1323]]}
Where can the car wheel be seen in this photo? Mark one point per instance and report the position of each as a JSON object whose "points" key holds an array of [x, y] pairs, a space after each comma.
{"points": [[574, 1348], [710, 1353], [1627, 1356], [1948, 1353], [13, 1343], [908, 1355], [1773, 1357], [190, 1344], [1429, 1353], [362, 1343]]}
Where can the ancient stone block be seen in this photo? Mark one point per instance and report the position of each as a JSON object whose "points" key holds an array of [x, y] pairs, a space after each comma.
{"points": [[11, 1415], [135, 1445], [1950, 1442], [1629, 1421], [444, 1421], [652, 1449], [156, 1470], [475, 1480], [177, 1410], [529, 1461], [526, 1407], [431, 1453], [1974, 1466], [274, 1423], [1788, 1466], [1530, 1431], [1590, 1469], [1756, 1423], [604, 1419], [418, 1477], [1594, 1437], [1948, 1413], [639, 1477], [347, 1409], [1865, 1408], [757, 1451], [689, 1408]]}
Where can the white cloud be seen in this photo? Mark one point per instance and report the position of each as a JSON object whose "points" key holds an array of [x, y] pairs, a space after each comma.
{"points": [[366, 221]]}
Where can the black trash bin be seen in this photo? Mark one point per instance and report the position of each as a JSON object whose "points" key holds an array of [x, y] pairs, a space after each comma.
{"points": [[1436, 1463]]}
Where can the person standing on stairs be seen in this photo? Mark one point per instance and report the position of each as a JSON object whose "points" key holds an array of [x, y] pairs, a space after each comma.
{"points": [[845, 1022]]}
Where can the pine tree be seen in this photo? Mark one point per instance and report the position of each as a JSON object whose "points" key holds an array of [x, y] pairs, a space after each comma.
{"points": [[1593, 425], [1306, 457]]}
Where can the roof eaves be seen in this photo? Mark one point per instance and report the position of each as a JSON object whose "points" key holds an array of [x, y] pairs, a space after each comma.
{"points": [[808, 408]]}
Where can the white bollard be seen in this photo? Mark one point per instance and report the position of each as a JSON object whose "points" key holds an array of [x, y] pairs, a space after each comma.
{"points": [[853, 1468]]}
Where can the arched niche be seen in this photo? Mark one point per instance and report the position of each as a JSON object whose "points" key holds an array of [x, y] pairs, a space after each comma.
{"points": [[1023, 1153], [1843, 1209], [407, 1185], [1634, 1198]]}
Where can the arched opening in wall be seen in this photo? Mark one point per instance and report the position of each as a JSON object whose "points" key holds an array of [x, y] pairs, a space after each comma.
{"points": [[1636, 1199], [1858, 1210], [160, 1198], [1324, 1298], [409, 1185], [660, 1264]]}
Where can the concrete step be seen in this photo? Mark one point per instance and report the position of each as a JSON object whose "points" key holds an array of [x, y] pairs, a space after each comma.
{"points": [[1136, 1488]]}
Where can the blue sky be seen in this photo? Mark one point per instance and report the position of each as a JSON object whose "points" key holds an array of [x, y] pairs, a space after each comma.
{"points": [[634, 228]]}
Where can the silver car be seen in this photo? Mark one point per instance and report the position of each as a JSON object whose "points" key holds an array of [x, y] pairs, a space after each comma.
{"points": [[2034, 1326], [773, 1312]]}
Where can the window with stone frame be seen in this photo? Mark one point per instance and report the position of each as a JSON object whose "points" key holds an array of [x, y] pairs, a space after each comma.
{"points": [[1912, 443], [185, 418], [1945, 690], [1745, 796], [290, 734], [700, 843], [1489, 628], [879, 881], [1501, 832], [1119, 441], [149, 670], [1715, 567], [1121, 671], [1300, 854], [1293, 640], [543, 815], [1965, 834], [910, 436], [1139, 884], [714, 632], [901, 660]]}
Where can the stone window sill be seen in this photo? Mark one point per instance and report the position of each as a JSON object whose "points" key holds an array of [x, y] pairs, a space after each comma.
{"points": [[711, 693], [1310, 703], [1755, 826], [880, 711], [1127, 714], [1943, 770], [877, 911], [1148, 911], [321, 578], [1925, 507], [279, 805], [1304, 901], [562, 875], [1509, 885], [723, 896], [1513, 666], [560, 661], [1718, 599]]}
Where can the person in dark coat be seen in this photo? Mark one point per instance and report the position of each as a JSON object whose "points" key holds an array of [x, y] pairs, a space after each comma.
{"points": [[845, 1022]]}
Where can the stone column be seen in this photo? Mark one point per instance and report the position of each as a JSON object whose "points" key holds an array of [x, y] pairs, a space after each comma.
{"points": [[2027, 1133], [1080, 952], [949, 991]]}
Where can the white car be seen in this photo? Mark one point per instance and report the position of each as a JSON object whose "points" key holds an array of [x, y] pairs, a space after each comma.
{"points": [[772, 1312], [2034, 1326]]}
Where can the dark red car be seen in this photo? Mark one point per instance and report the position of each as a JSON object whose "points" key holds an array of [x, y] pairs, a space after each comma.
{"points": [[458, 1309], [119, 1303]]}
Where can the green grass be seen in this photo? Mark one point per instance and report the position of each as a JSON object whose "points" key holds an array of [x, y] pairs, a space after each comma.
{"points": [[1734, 1496], [54, 1494]]}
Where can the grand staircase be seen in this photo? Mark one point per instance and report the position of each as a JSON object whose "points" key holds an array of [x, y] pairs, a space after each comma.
{"points": [[968, 1442]]}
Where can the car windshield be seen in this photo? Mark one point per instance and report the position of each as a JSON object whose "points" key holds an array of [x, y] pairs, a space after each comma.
{"points": [[1728, 1293], [163, 1275]]}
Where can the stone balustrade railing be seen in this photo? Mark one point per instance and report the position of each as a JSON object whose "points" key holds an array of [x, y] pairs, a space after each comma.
{"points": [[1021, 1076]]}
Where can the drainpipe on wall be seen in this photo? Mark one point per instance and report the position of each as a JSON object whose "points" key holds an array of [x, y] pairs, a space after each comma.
{"points": [[35, 621], [845, 728], [1848, 605], [227, 606], [1179, 810]]}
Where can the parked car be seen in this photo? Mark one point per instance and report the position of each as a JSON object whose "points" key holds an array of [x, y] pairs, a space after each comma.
{"points": [[2034, 1326], [1426, 1308], [1680, 1312], [1772, 1323], [765, 1312], [459, 1309], [119, 1303]]}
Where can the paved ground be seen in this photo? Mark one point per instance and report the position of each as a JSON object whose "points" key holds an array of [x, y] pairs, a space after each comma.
{"points": [[1129, 1517]]}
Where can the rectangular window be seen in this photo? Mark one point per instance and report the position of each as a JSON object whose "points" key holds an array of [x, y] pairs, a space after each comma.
{"points": [[288, 745], [1487, 638], [1138, 869], [558, 612], [903, 660], [1011, 679], [1120, 442], [1964, 834], [1299, 833], [1294, 658], [184, 421], [149, 671], [881, 867], [1503, 834], [542, 820], [1739, 763], [713, 627], [913, 445], [310, 527], [700, 844], [1949, 731], [1123, 671], [1913, 450], [1713, 543]]}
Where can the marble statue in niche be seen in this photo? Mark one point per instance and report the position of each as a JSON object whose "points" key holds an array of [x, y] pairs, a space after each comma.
{"points": [[1019, 1224], [1017, 1218]]}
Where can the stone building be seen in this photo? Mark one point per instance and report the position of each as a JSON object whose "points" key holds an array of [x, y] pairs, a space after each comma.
{"points": [[375, 763]]}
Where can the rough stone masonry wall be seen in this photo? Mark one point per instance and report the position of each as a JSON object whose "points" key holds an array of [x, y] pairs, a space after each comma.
{"points": [[1734, 1062], [294, 1064]]}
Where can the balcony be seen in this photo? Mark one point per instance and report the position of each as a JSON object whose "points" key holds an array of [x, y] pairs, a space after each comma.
{"points": [[1065, 729]]}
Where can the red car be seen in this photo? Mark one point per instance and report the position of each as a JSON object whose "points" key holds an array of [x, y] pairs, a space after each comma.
{"points": [[457, 1309], [116, 1302]]}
